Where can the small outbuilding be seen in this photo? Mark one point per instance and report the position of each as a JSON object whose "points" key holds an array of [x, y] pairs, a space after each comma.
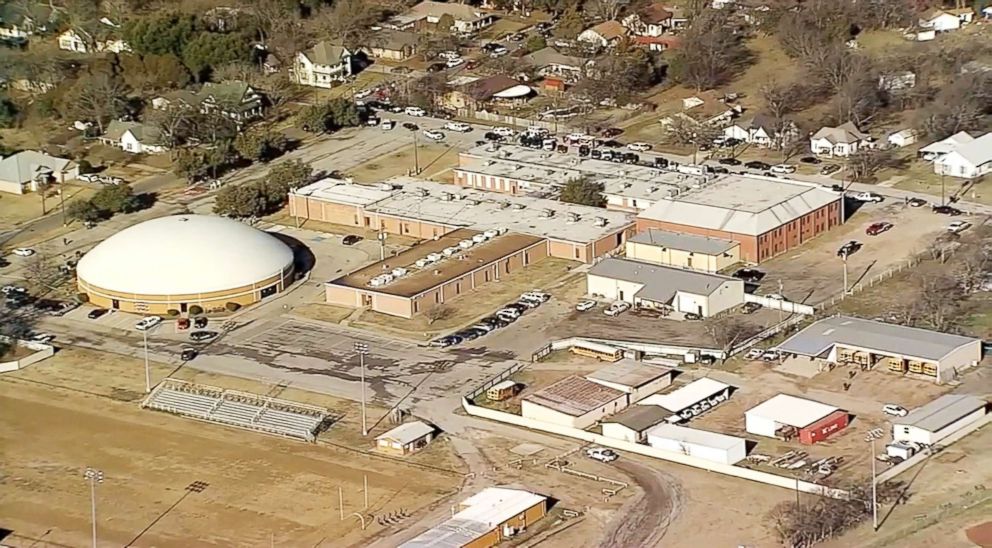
{"points": [[636, 379], [683, 250], [701, 444], [406, 438], [786, 417], [484, 520], [503, 390], [938, 419], [687, 401], [632, 423], [574, 402]]}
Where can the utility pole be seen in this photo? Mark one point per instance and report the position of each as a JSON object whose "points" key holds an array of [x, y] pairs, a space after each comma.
{"points": [[781, 292], [382, 245], [870, 438], [365, 480], [341, 502], [362, 349], [942, 187], [94, 476], [416, 156], [844, 257], [148, 374]]}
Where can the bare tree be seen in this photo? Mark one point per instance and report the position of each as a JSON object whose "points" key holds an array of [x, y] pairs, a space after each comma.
{"points": [[99, 97], [40, 269], [604, 9], [938, 297], [437, 313], [730, 330], [864, 164], [712, 51]]}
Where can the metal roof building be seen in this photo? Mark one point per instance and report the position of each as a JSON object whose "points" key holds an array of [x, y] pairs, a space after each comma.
{"points": [[701, 444], [485, 519], [573, 401], [683, 250], [845, 339], [811, 420], [685, 397], [632, 423], [938, 419], [406, 438], [636, 379]]}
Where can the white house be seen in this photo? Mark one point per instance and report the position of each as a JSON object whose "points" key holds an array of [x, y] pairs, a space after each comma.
{"points": [[938, 149], [946, 20], [22, 172], [653, 20], [322, 65], [968, 160], [763, 131], [71, 40], [604, 34], [843, 140], [80, 42], [902, 138], [465, 18], [134, 137]]}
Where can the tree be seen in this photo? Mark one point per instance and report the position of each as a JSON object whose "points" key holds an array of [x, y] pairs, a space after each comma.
{"points": [[289, 175], [607, 10], [99, 97], [175, 125], [40, 269], [13, 325], [329, 116], [730, 330], [865, 163], [350, 20], [683, 130], [437, 313], [83, 211], [113, 199], [962, 105], [210, 49], [535, 42], [240, 201], [154, 72], [617, 77], [191, 163], [711, 53], [570, 25], [260, 145], [584, 192], [8, 112], [160, 34]]}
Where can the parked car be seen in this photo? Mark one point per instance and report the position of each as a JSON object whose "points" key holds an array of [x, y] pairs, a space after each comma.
{"points": [[771, 355], [200, 336], [509, 312], [528, 303], [582, 306], [434, 67], [602, 454], [617, 308], [449, 55], [452, 63], [868, 197], [200, 322], [916, 202], [410, 126], [414, 111], [829, 169], [351, 239], [433, 134], [23, 251], [958, 226], [754, 354], [89, 178], [401, 70], [504, 132], [460, 127], [446, 341], [761, 166], [611, 132], [537, 296], [487, 327], [12, 289], [750, 308], [639, 147], [187, 354], [875, 229], [147, 323], [941, 209], [520, 308], [848, 248], [470, 334], [813, 160], [729, 161], [750, 275], [97, 313], [894, 410], [783, 168], [837, 188], [692, 316], [496, 321], [387, 125], [42, 338]]}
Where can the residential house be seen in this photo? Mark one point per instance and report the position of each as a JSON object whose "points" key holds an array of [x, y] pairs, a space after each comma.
{"points": [[679, 18], [71, 40], [763, 130], [18, 22], [965, 15], [653, 20], [658, 43], [987, 13], [394, 45], [936, 150], [24, 171], [939, 20], [474, 95], [843, 140], [902, 138], [605, 34], [134, 137], [426, 14], [271, 63], [80, 41], [235, 99], [548, 62], [968, 160], [322, 65]]}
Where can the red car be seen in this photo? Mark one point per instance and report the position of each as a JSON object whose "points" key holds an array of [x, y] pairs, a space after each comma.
{"points": [[877, 228]]}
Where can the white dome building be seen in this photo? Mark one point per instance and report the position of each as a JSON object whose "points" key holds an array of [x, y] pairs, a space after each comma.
{"points": [[177, 262]]}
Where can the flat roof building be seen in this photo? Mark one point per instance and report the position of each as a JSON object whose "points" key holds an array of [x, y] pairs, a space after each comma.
{"points": [[785, 417], [701, 444], [435, 271], [901, 349], [406, 438], [426, 210], [767, 216], [663, 287], [683, 250], [638, 380], [484, 520], [573, 401], [689, 395], [938, 419], [632, 423]]}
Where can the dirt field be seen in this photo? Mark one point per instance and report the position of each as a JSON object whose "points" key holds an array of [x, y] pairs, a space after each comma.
{"points": [[16, 209], [260, 489]]}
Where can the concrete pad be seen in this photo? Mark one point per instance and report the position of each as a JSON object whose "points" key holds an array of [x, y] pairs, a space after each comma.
{"points": [[527, 449], [799, 367]]}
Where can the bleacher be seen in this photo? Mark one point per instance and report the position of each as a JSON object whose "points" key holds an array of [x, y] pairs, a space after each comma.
{"points": [[239, 409]]}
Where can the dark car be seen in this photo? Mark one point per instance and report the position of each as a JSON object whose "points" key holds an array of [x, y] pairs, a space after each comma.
{"points": [[200, 322], [411, 126], [751, 275], [946, 210], [757, 165], [611, 143], [719, 169], [187, 354], [94, 314], [837, 188], [351, 239], [562, 149], [611, 132], [729, 161], [917, 202], [584, 150], [692, 316], [542, 26], [437, 67], [811, 160], [660, 162], [518, 307], [847, 249], [631, 158], [516, 37], [401, 70], [200, 336], [444, 342], [596, 154], [469, 334], [829, 168], [750, 308], [494, 321], [490, 136]]}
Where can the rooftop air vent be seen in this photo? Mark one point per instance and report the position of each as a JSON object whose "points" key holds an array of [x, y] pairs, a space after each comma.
{"points": [[547, 213], [517, 206], [573, 217], [423, 192], [600, 221], [447, 196]]}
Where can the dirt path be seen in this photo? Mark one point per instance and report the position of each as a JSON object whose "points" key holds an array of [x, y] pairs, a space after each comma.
{"points": [[643, 521]]}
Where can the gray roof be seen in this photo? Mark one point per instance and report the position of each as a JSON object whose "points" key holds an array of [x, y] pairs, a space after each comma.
{"points": [[407, 433], [639, 417], [941, 412], [144, 133], [684, 242], [977, 152], [550, 56], [661, 283], [912, 342], [326, 53], [23, 166], [574, 396], [844, 133], [628, 372]]}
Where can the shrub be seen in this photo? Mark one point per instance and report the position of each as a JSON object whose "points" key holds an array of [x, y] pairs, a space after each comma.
{"points": [[232, 307], [172, 312], [195, 310], [85, 167], [82, 297]]}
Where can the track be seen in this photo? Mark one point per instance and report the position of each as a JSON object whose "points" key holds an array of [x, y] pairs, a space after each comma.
{"points": [[644, 520]]}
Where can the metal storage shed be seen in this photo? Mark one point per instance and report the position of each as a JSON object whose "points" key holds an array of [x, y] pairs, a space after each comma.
{"points": [[689, 395], [812, 421], [938, 419], [700, 444], [632, 423]]}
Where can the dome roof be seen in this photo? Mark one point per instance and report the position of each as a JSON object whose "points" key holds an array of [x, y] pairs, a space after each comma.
{"points": [[183, 255]]}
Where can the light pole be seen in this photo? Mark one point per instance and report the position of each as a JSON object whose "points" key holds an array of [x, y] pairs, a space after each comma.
{"points": [[362, 349], [148, 374], [870, 438], [844, 257], [94, 476], [416, 156]]}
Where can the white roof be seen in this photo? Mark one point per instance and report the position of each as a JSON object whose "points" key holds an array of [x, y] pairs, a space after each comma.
{"points": [[184, 255], [977, 152], [687, 396], [694, 436], [515, 91], [344, 192], [407, 433], [946, 145], [791, 411], [482, 513]]}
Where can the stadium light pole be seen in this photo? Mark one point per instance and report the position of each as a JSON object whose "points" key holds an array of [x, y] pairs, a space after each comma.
{"points": [[362, 349], [94, 476]]}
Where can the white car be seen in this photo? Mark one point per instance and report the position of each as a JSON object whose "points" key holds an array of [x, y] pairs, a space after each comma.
{"points": [[452, 63], [582, 306], [602, 454], [535, 295], [783, 168], [147, 323], [415, 111], [89, 178], [499, 52], [23, 252], [449, 55], [387, 125], [363, 94], [503, 131], [42, 338], [639, 147], [434, 135], [12, 289], [958, 226], [617, 308], [868, 197], [511, 312], [460, 127], [894, 410], [775, 296], [754, 354]]}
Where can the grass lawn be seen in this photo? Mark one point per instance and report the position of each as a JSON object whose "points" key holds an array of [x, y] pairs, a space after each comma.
{"points": [[472, 306], [324, 312], [878, 41], [16, 209], [502, 27], [433, 158]]}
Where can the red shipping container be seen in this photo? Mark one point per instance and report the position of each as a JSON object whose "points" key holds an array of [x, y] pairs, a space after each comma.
{"points": [[823, 428]]}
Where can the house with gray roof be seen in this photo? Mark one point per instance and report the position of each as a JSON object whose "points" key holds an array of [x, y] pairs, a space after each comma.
{"points": [[426, 15], [395, 45], [235, 99], [322, 65], [680, 250], [967, 160], [897, 348], [679, 290], [632, 423], [550, 62], [25, 171], [841, 141], [134, 137]]}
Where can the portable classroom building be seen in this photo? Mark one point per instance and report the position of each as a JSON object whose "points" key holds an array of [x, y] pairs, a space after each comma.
{"points": [[938, 419], [633, 423], [700, 444]]}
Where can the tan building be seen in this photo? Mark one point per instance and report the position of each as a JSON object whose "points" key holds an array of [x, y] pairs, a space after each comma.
{"points": [[484, 520], [683, 250], [183, 261], [436, 271], [426, 210], [406, 438], [573, 401]]}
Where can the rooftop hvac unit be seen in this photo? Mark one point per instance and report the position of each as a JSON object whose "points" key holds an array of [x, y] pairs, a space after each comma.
{"points": [[491, 233], [517, 206], [488, 162], [465, 244], [434, 257], [504, 205], [449, 251], [421, 263], [547, 213], [625, 185], [573, 217], [600, 221], [447, 196], [503, 230], [384, 186], [479, 238], [474, 201], [376, 282], [386, 278], [399, 272], [423, 192], [652, 189]]}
